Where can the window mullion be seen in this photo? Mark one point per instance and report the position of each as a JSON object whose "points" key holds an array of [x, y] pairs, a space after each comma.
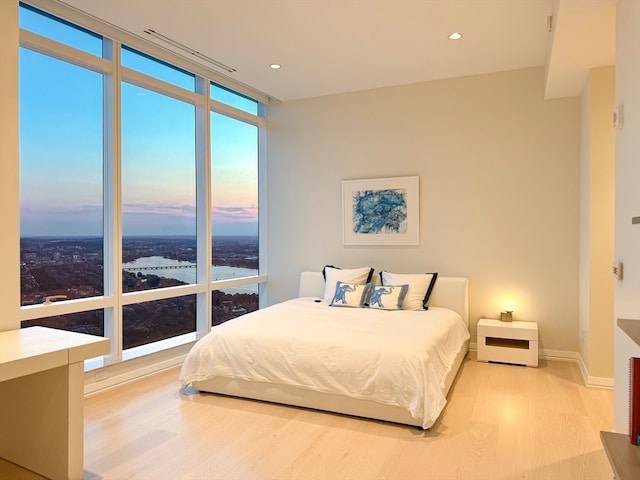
{"points": [[203, 207], [112, 204], [150, 83], [262, 211], [49, 47]]}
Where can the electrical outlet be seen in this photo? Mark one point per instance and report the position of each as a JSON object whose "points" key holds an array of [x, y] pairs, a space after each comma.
{"points": [[101, 375], [618, 117], [617, 270]]}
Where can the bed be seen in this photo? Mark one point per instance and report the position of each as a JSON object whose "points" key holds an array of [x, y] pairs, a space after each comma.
{"points": [[392, 366]]}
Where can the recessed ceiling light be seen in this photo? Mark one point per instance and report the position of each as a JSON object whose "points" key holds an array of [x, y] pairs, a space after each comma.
{"points": [[455, 36], [275, 66]]}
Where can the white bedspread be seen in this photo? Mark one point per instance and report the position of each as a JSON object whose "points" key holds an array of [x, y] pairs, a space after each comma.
{"points": [[396, 358]]}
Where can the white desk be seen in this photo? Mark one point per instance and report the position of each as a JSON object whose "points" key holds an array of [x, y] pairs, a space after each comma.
{"points": [[42, 398]]}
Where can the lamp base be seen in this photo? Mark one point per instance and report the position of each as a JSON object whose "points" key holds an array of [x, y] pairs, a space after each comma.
{"points": [[506, 317]]}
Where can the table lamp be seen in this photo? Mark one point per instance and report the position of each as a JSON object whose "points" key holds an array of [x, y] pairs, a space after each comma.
{"points": [[508, 306]]}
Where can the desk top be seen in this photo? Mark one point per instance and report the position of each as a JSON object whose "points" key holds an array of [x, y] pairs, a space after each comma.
{"points": [[29, 350], [623, 455], [631, 328]]}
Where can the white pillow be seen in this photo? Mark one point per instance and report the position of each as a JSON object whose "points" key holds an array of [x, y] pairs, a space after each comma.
{"points": [[333, 275], [351, 294], [420, 287]]}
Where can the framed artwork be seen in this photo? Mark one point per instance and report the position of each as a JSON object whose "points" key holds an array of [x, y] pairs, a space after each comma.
{"points": [[380, 211]]}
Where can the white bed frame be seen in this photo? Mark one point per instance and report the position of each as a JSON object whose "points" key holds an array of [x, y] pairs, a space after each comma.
{"points": [[449, 292]]}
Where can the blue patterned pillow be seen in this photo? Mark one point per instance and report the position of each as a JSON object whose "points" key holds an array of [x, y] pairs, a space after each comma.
{"points": [[350, 294], [388, 297]]}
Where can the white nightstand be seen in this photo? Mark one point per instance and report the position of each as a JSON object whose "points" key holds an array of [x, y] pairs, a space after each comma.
{"points": [[508, 342]]}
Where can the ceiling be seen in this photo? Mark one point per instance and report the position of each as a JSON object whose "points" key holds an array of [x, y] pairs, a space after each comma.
{"points": [[334, 46]]}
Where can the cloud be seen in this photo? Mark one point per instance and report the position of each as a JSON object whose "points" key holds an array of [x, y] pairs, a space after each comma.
{"points": [[234, 214], [188, 211], [39, 212], [137, 219]]}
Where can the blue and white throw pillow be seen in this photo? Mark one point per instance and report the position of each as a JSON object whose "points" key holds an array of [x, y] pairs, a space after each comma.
{"points": [[350, 294], [388, 297]]}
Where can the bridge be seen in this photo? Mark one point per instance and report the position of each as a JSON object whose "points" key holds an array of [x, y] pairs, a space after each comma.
{"points": [[166, 267]]}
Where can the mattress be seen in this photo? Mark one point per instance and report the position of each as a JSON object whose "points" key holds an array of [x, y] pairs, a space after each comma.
{"points": [[400, 359]]}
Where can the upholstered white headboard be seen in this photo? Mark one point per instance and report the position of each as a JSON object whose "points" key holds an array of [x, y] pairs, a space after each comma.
{"points": [[449, 292]]}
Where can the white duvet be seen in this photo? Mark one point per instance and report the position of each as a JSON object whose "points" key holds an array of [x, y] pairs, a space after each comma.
{"points": [[397, 358]]}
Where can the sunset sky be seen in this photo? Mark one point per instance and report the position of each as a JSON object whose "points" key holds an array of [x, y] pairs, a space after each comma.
{"points": [[61, 149]]}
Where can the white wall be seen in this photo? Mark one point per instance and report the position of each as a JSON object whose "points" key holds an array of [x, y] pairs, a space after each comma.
{"points": [[499, 190], [9, 213], [627, 201]]}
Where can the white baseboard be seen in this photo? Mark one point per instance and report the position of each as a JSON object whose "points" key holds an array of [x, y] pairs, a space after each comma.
{"points": [[566, 356], [589, 380], [124, 377], [120, 376], [561, 355], [600, 382]]}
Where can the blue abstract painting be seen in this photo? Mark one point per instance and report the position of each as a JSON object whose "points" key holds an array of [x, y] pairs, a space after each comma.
{"points": [[380, 211]]}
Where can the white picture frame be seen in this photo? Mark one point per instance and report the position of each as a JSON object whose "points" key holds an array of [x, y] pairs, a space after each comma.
{"points": [[381, 211]]}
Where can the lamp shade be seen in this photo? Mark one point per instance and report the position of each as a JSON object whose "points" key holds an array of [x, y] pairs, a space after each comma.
{"points": [[508, 305]]}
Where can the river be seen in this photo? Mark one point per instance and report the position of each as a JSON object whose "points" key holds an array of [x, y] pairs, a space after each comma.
{"points": [[187, 271]]}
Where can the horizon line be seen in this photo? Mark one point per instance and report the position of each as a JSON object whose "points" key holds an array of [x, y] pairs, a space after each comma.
{"points": [[140, 236]]}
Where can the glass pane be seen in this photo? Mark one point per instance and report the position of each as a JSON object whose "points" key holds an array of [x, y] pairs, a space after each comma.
{"points": [[233, 99], [61, 206], [91, 322], [234, 193], [236, 256], [42, 23], [153, 67], [158, 262], [233, 302], [149, 322], [158, 190]]}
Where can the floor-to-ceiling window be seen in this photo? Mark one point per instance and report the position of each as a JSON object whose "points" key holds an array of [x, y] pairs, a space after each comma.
{"points": [[234, 214], [61, 177], [135, 223]]}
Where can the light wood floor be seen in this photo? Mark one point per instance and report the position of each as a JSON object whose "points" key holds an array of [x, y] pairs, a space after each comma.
{"points": [[502, 422]]}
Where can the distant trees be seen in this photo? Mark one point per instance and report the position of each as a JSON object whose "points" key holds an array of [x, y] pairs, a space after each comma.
{"points": [[134, 282]]}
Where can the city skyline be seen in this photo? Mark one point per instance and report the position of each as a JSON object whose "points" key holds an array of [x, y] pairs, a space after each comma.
{"points": [[84, 237], [73, 266]]}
